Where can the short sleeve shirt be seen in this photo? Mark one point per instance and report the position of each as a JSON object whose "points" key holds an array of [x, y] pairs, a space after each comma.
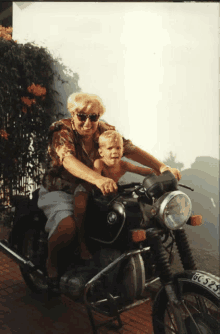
{"points": [[64, 140]]}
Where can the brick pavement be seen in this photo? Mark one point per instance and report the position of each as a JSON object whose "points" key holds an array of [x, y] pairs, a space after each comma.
{"points": [[22, 312]]}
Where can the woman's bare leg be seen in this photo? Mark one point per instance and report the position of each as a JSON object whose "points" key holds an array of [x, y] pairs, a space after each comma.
{"points": [[62, 236], [80, 210]]}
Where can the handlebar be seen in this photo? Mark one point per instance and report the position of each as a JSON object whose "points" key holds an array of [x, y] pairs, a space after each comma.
{"points": [[183, 185], [134, 186], [122, 187]]}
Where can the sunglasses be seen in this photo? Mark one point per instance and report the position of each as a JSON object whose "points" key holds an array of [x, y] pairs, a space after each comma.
{"points": [[92, 117]]}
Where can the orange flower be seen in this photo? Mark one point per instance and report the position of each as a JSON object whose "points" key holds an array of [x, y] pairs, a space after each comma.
{"points": [[24, 109], [27, 101], [37, 90], [5, 33], [6, 37], [9, 29], [4, 134]]}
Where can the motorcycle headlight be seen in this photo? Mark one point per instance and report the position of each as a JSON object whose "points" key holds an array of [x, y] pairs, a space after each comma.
{"points": [[175, 210]]}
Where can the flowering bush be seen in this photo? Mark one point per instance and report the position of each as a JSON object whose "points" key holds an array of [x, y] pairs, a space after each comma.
{"points": [[28, 105]]}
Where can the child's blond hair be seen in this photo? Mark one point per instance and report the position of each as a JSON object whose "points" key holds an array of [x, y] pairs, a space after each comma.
{"points": [[109, 134]]}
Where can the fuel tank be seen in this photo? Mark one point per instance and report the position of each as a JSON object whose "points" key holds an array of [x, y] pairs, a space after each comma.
{"points": [[106, 221]]}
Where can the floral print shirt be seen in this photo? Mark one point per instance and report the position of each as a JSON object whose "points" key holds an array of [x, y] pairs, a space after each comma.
{"points": [[64, 140]]}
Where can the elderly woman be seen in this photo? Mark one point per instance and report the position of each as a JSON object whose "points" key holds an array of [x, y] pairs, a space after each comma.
{"points": [[73, 147]]}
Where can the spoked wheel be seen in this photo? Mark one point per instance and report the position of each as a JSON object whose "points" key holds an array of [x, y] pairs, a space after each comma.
{"points": [[30, 248], [200, 310]]}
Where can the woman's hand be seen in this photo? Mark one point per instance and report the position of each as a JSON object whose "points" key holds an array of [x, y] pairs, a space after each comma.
{"points": [[174, 171], [106, 185], [156, 172]]}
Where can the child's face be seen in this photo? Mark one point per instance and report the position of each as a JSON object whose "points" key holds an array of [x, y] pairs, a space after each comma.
{"points": [[112, 151]]}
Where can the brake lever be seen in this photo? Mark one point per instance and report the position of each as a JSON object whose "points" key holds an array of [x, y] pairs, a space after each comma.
{"points": [[183, 185]]}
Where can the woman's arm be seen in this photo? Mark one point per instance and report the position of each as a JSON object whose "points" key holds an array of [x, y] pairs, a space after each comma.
{"points": [[148, 160], [78, 169]]}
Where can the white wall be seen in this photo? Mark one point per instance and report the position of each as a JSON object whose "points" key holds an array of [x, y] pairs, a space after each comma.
{"points": [[155, 65]]}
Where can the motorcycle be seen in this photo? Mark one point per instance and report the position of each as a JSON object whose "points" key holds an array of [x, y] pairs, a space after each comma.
{"points": [[131, 236]]}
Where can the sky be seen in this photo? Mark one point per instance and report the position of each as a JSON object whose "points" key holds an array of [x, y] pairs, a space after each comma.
{"points": [[155, 66]]}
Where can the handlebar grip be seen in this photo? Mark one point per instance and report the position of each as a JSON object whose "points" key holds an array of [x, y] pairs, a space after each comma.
{"points": [[96, 192]]}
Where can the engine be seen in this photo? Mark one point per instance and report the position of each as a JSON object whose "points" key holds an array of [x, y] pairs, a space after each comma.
{"points": [[126, 279]]}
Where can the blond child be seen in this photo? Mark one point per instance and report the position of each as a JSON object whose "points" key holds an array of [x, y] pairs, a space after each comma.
{"points": [[110, 164]]}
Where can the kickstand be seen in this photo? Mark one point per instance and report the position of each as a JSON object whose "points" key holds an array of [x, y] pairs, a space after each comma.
{"points": [[114, 314], [91, 318], [114, 309]]}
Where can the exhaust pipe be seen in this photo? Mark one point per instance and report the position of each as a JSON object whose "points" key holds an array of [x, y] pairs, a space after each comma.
{"points": [[26, 264]]}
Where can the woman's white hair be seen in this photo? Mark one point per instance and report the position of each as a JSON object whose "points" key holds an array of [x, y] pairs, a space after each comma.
{"points": [[76, 102]]}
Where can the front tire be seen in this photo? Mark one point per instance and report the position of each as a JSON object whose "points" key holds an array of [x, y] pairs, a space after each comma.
{"points": [[200, 311]]}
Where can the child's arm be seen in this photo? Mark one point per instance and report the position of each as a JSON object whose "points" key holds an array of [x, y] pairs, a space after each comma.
{"points": [[98, 166], [144, 171]]}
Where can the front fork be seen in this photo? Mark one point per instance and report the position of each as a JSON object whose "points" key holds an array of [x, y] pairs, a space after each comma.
{"points": [[184, 250], [166, 275], [187, 257]]}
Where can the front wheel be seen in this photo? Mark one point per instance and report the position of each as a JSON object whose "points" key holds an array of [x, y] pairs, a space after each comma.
{"points": [[200, 310]]}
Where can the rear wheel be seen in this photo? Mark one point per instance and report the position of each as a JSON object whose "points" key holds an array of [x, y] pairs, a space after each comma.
{"points": [[200, 310], [31, 248]]}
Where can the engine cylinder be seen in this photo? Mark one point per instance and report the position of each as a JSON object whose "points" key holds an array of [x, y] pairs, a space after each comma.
{"points": [[133, 279], [72, 283]]}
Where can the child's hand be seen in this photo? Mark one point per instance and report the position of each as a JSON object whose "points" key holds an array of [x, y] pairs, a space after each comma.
{"points": [[106, 185]]}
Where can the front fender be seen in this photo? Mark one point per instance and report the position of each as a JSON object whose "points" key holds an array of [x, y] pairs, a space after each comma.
{"points": [[208, 282]]}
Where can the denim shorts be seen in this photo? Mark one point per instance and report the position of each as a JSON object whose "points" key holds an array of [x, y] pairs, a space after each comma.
{"points": [[58, 205]]}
